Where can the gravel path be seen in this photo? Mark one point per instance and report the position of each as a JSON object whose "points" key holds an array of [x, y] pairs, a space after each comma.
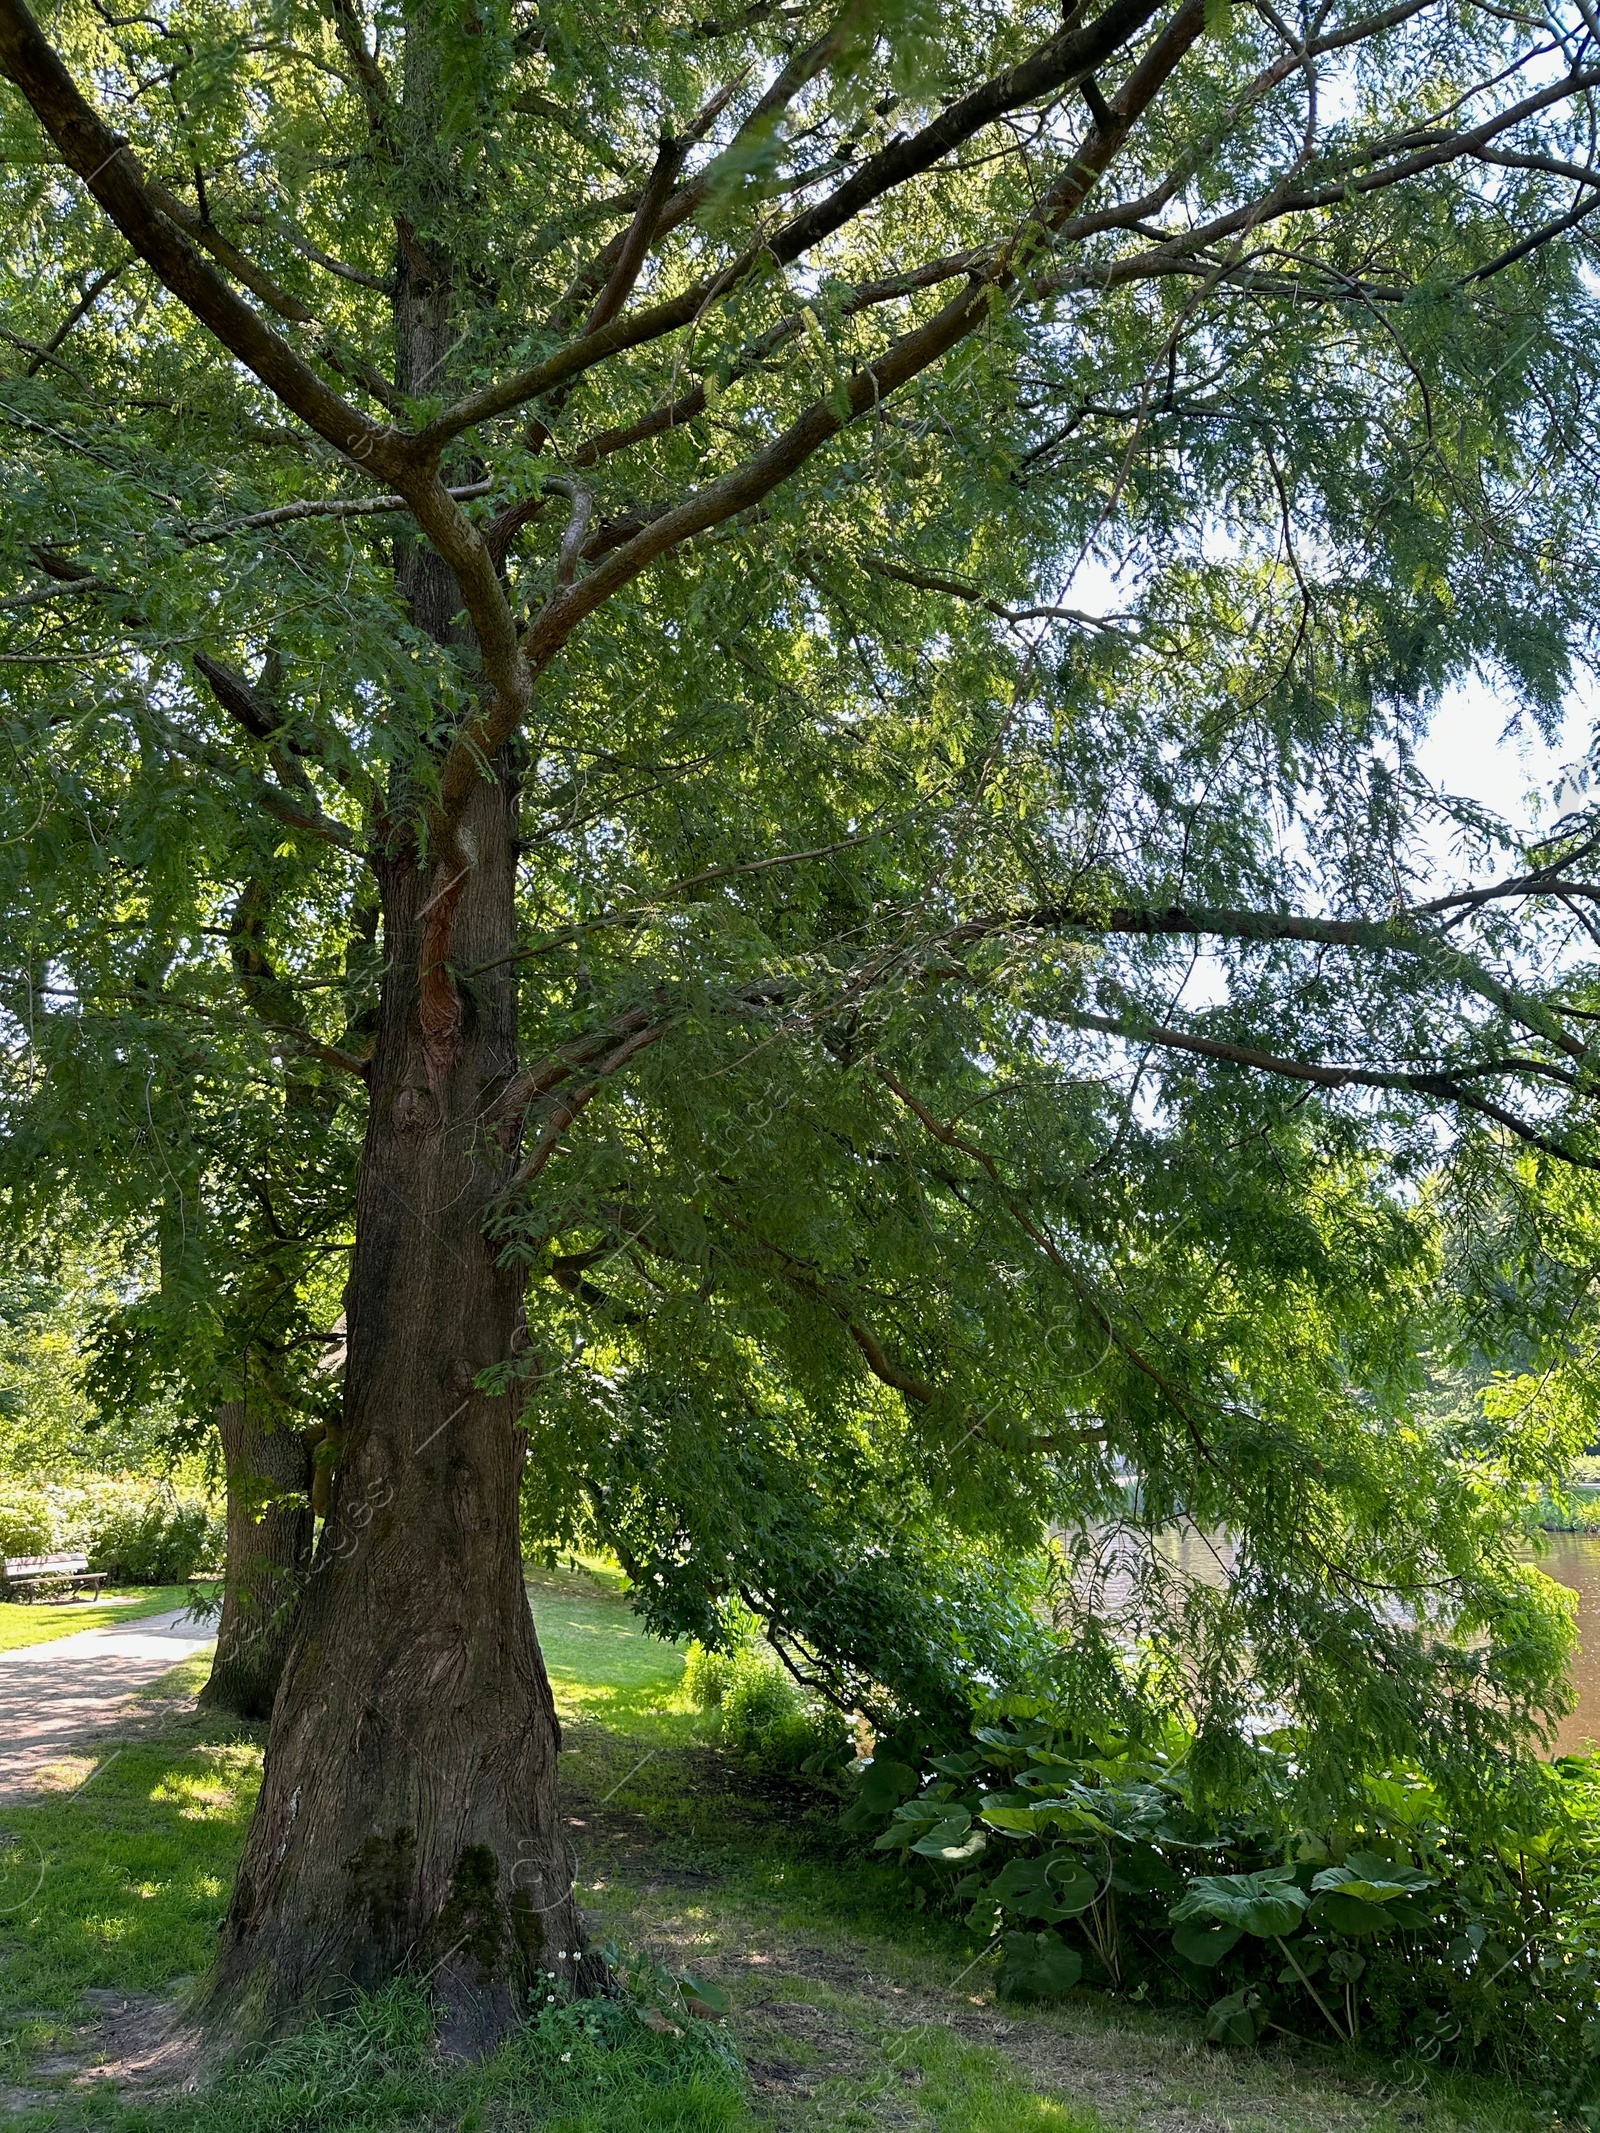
{"points": [[55, 1696]]}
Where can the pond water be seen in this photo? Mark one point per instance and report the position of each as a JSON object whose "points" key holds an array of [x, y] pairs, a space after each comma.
{"points": [[1573, 1559]]}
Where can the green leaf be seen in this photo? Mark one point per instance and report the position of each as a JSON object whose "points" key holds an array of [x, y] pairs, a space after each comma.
{"points": [[1040, 1965], [1353, 1915], [1050, 1887], [1204, 1944], [1372, 1879], [952, 1839], [702, 1997], [885, 1784], [1268, 1904], [1233, 2020]]}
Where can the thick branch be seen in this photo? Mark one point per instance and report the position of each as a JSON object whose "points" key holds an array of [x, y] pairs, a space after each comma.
{"points": [[110, 171], [1055, 65], [906, 358]]}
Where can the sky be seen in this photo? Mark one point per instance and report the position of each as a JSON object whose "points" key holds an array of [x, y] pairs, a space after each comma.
{"points": [[1519, 774]]}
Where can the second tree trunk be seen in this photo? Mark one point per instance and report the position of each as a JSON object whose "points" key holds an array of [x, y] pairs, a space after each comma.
{"points": [[269, 1553]]}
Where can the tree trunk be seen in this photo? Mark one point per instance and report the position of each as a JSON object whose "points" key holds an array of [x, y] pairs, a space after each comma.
{"points": [[269, 1552], [408, 1820]]}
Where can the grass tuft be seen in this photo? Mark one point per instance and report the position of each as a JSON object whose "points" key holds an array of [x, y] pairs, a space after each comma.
{"points": [[588, 2068]]}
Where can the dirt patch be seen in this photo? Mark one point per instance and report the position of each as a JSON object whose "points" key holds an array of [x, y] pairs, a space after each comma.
{"points": [[144, 2043]]}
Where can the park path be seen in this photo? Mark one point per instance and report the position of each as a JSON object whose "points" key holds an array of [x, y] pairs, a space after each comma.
{"points": [[55, 1696]]}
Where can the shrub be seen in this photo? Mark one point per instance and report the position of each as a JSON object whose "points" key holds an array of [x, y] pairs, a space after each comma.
{"points": [[26, 1527], [161, 1543], [707, 1674], [764, 1717], [1089, 1860]]}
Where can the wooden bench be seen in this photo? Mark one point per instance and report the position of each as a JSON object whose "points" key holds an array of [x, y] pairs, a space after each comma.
{"points": [[48, 1577]]}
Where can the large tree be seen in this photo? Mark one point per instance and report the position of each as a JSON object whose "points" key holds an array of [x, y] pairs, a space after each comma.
{"points": [[794, 570]]}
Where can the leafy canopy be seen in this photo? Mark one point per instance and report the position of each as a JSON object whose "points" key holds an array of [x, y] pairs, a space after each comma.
{"points": [[957, 517]]}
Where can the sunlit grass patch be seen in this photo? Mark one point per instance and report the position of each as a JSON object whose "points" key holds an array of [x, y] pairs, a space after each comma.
{"points": [[22, 1624], [121, 1882], [206, 1784], [604, 1666], [971, 2088]]}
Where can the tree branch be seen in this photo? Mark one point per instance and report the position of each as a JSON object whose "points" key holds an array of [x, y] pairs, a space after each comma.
{"points": [[1151, 921], [1442, 1086], [1050, 68], [324, 507], [110, 171]]}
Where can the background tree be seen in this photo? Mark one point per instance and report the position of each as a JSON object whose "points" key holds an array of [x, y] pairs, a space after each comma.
{"points": [[815, 564]]}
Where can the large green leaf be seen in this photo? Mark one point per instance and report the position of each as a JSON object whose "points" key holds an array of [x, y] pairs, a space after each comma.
{"points": [[1048, 1887], [1205, 1944], [1040, 1965], [884, 1784], [1373, 1879], [1234, 2020], [952, 1839], [1268, 1904]]}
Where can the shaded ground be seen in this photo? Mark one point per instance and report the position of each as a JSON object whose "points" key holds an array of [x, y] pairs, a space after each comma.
{"points": [[851, 2010], [55, 1697], [851, 2014]]}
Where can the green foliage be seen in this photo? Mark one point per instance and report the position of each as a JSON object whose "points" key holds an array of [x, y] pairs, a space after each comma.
{"points": [[101, 1516], [26, 1526], [764, 1718], [940, 1211], [1390, 1922], [164, 1542]]}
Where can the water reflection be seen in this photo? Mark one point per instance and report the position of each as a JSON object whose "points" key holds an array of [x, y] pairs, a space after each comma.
{"points": [[1573, 1559]]}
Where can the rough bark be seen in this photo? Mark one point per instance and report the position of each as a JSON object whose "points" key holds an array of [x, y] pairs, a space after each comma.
{"points": [[269, 1551], [408, 1820]]}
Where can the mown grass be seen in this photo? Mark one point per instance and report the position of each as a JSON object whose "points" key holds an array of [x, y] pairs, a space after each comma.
{"points": [[602, 1666], [849, 2008], [39, 1622]]}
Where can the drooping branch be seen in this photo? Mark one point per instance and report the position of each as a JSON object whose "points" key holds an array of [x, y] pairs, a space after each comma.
{"points": [[1446, 1086], [960, 589], [1039, 1235], [1394, 934]]}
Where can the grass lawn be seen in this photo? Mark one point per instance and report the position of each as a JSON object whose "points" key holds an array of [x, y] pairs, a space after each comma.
{"points": [[36, 1623], [849, 2009]]}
